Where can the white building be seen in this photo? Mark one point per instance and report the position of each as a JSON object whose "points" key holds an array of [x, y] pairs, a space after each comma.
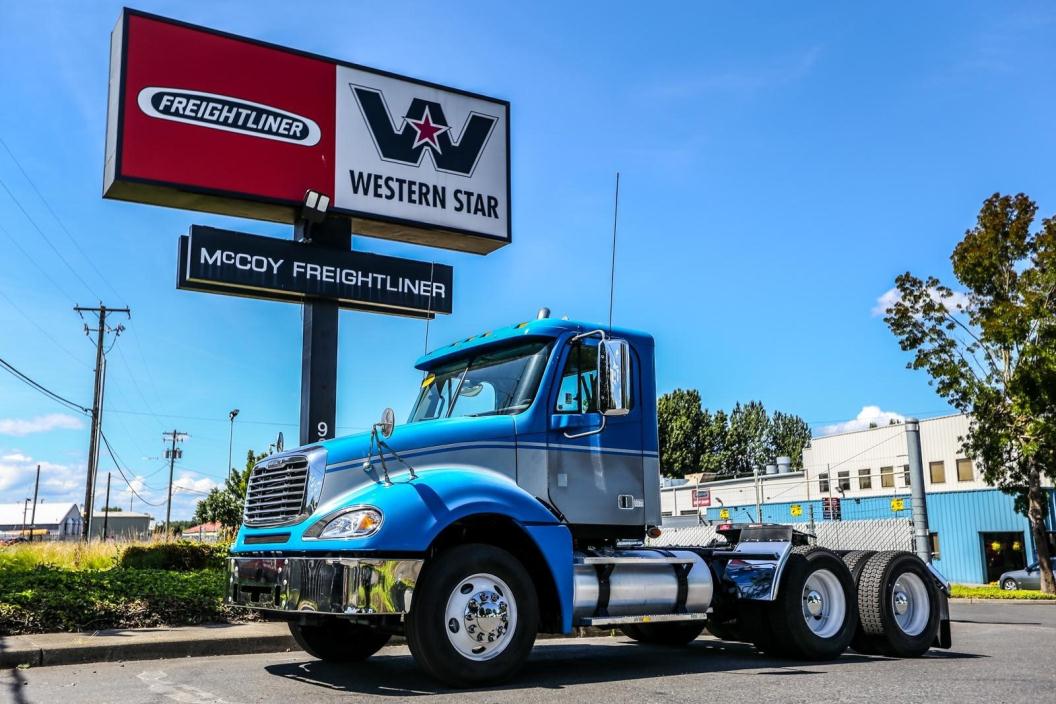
{"points": [[864, 475], [50, 521]]}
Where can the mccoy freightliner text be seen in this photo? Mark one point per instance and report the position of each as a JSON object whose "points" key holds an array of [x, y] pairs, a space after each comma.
{"points": [[517, 500]]}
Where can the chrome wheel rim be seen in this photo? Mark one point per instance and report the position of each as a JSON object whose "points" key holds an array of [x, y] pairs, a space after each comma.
{"points": [[481, 616], [824, 604], [910, 604], [1009, 585]]}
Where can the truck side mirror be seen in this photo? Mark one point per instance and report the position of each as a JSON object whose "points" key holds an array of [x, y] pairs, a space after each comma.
{"points": [[614, 377]]}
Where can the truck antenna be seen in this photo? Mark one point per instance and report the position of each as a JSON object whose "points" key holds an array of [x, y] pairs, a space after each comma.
{"points": [[612, 271]]}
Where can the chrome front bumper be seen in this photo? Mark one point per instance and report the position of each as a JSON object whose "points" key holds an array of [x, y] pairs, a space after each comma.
{"points": [[328, 585]]}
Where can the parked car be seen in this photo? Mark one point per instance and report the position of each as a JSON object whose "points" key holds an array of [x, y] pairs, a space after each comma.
{"points": [[1029, 578]]}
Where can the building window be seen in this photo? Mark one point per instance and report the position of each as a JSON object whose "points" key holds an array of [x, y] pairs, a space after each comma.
{"points": [[936, 554], [887, 477], [938, 472], [865, 480], [688, 512], [905, 475], [964, 470], [823, 482], [843, 480], [665, 513]]}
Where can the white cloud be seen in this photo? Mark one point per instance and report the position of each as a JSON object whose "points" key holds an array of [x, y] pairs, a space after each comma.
{"points": [[191, 484], [869, 416], [58, 482], [891, 296], [41, 424]]}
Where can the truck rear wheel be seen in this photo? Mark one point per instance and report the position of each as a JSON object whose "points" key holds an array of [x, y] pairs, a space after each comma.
{"points": [[665, 633], [815, 614], [474, 616], [899, 605], [337, 640]]}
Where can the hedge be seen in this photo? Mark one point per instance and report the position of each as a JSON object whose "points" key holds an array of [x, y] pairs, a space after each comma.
{"points": [[48, 599], [962, 591], [175, 556]]}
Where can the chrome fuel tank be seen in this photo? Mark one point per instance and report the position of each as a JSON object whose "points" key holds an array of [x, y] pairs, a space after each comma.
{"points": [[640, 582]]}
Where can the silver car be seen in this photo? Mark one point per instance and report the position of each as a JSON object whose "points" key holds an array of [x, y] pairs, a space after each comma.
{"points": [[1030, 578]]}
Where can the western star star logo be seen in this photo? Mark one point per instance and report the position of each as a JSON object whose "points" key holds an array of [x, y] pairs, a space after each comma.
{"points": [[425, 128]]}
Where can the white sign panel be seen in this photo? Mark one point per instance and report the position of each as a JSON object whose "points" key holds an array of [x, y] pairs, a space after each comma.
{"points": [[423, 154]]}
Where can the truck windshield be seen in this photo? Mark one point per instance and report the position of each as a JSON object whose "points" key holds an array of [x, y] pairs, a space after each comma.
{"points": [[491, 383]]}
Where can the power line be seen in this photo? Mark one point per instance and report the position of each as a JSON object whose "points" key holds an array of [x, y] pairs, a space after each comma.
{"points": [[42, 329], [33, 261], [113, 456], [43, 389], [58, 220], [55, 249]]}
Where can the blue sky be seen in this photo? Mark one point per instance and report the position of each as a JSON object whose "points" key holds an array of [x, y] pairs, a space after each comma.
{"points": [[781, 164]]}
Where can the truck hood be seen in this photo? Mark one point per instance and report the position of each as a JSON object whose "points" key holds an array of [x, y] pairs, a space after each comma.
{"points": [[421, 445]]}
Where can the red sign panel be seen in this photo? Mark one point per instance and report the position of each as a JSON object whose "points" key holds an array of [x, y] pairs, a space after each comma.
{"points": [[701, 498], [204, 120]]}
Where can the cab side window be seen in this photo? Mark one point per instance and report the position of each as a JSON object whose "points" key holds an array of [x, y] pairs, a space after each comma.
{"points": [[576, 393]]}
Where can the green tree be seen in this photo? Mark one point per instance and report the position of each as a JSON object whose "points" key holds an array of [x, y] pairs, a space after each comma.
{"points": [[747, 437], [224, 505], [789, 435], [991, 352], [713, 454], [679, 419]]}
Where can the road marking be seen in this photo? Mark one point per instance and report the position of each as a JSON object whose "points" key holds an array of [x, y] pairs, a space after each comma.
{"points": [[159, 683]]}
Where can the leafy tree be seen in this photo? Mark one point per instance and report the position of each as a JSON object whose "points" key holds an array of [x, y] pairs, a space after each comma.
{"points": [[746, 439], [225, 505], [789, 434], [680, 420], [991, 352], [712, 443]]}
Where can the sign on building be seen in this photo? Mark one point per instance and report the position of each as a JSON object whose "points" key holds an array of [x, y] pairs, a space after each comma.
{"points": [[701, 498], [830, 509], [898, 505], [796, 509], [203, 120], [221, 261]]}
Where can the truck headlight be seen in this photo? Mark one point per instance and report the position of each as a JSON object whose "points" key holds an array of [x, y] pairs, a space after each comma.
{"points": [[353, 523]]}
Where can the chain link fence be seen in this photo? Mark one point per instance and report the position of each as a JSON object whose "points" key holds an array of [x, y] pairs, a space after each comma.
{"points": [[844, 507]]}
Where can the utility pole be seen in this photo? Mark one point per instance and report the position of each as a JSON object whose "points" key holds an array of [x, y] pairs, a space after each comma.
{"points": [[25, 509], [172, 454], [97, 402], [231, 441], [106, 507], [33, 516]]}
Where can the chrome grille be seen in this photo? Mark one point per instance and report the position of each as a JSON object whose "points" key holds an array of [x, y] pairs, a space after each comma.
{"points": [[275, 491]]}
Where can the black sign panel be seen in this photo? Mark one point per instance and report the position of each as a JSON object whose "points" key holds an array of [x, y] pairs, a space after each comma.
{"points": [[222, 261]]}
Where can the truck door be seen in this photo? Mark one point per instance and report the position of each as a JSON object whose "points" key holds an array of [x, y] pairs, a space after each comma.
{"points": [[595, 478]]}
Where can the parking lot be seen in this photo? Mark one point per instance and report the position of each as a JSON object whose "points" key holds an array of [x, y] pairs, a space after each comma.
{"points": [[1001, 653]]}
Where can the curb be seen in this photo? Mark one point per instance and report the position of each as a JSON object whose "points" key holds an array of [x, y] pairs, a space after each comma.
{"points": [[50, 649], [986, 600], [112, 646]]}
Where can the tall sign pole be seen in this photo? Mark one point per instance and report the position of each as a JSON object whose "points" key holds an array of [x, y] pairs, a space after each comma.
{"points": [[319, 337], [921, 531]]}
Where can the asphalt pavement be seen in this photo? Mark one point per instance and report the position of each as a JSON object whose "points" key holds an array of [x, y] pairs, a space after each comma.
{"points": [[1001, 653]]}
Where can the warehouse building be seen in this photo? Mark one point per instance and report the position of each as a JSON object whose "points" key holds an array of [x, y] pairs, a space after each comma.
{"points": [[864, 476], [122, 525], [47, 521]]}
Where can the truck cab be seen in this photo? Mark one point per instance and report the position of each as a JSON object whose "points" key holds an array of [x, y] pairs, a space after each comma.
{"points": [[517, 498]]}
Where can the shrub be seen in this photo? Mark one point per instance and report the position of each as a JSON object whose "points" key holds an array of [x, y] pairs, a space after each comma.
{"points": [[48, 599], [963, 591], [181, 555]]}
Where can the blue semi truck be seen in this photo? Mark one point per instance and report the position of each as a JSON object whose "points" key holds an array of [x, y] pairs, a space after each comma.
{"points": [[519, 498]]}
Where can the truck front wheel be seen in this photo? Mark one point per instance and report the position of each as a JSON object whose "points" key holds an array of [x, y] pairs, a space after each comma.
{"points": [[474, 616], [337, 640]]}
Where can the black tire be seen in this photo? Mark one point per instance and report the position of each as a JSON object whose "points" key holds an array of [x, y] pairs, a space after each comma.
{"points": [[337, 640], [427, 628], [876, 604], [675, 633], [1009, 584], [792, 637], [862, 642]]}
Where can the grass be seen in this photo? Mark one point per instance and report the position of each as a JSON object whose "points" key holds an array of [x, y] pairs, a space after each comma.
{"points": [[70, 555], [963, 591]]}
